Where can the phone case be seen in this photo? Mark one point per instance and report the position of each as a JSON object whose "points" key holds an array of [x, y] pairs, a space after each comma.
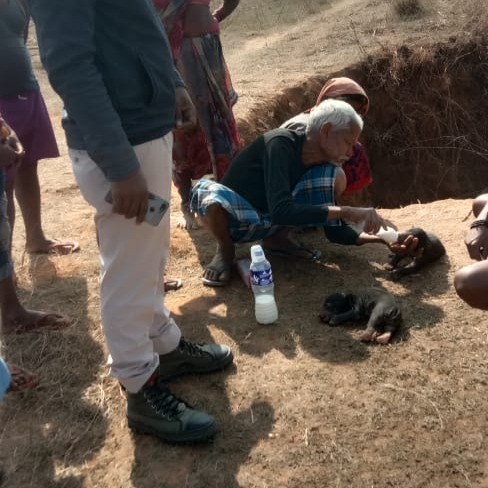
{"points": [[156, 209]]}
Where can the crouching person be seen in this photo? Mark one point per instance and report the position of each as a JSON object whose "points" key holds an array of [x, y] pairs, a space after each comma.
{"points": [[281, 181]]}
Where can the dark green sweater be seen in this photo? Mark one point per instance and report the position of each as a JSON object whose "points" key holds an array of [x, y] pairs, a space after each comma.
{"points": [[16, 74], [110, 62], [265, 173]]}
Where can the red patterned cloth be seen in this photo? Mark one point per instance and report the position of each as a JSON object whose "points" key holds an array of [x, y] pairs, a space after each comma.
{"points": [[357, 169], [209, 148]]}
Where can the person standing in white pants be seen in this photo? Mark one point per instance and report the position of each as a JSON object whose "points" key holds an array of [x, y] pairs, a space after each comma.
{"points": [[123, 97]]}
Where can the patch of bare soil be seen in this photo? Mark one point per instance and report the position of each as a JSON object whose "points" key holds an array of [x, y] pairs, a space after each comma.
{"points": [[306, 405]]}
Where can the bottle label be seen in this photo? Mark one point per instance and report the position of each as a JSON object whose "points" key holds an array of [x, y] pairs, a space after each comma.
{"points": [[262, 278]]}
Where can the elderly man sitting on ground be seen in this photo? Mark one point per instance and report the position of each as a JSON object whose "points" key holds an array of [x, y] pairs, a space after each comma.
{"points": [[266, 191]]}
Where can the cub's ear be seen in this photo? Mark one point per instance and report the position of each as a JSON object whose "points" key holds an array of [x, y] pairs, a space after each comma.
{"points": [[335, 300]]}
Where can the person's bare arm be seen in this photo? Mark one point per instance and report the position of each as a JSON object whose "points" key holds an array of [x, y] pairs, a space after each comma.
{"points": [[225, 10], [372, 220]]}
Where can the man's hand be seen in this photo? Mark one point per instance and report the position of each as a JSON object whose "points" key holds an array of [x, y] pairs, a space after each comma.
{"points": [[11, 150], [9, 156], [476, 241], [409, 247], [130, 197], [186, 114], [372, 221]]}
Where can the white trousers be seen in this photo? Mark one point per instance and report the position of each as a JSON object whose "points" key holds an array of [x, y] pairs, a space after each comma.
{"points": [[136, 323]]}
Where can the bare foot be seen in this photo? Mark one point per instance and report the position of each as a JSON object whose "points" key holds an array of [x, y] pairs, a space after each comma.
{"points": [[53, 246], [189, 220], [368, 335], [21, 379], [383, 338], [218, 271], [33, 321]]}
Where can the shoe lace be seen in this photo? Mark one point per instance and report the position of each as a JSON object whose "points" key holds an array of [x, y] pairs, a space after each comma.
{"points": [[191, 348], [163, 401]]}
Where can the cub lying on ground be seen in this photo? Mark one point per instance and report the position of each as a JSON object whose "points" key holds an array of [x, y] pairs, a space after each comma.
{"points": [[378, 307]]}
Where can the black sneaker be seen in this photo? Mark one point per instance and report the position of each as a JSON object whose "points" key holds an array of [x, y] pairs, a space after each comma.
{"points": [[190, 358], [156, 411]]}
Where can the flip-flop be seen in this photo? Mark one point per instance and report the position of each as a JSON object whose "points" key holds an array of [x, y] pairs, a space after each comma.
{"points": [[291, 252], [217, 283], [21, 378], [172, 284], [59, 248]]}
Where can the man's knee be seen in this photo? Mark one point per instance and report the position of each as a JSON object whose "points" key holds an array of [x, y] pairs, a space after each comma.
{"points": [[216, 220], [470, 285], [461, 280], [340, 183], [214, 212], [479, 203]]}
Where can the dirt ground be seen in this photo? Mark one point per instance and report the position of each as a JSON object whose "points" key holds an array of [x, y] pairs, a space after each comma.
{"points": [[305, 405]]}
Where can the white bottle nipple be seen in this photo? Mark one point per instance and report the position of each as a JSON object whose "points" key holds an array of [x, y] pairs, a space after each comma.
{"points": [[389, 234]]}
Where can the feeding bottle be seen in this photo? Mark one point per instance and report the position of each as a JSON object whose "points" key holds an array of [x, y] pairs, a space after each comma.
{"points": [[389, 234]]}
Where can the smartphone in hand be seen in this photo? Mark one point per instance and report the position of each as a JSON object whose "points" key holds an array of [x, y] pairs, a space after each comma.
{"points": [[156, 208]]}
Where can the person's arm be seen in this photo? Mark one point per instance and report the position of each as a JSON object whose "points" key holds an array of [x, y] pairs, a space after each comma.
{"points": [[476, 239], [347, 236], [65, 32], [225, 10], [186, 113], [342, 234], [279, 157], [25, 7]]}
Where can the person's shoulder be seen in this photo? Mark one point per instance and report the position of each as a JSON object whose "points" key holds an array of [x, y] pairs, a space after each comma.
{"points": [[298, 123], [281, 134]]}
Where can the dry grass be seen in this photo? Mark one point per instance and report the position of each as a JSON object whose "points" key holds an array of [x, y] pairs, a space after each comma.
{"points": [[408, 9], [306, 405]]}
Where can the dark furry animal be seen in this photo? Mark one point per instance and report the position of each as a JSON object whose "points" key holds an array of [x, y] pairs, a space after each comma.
{"points": [[433, 250], [379, 308]]}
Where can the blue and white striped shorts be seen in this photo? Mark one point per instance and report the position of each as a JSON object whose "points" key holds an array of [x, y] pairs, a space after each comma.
{"points": [[246, 224]]}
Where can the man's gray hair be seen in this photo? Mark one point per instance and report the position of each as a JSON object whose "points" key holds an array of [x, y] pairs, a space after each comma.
{"points": [[338, 113]]}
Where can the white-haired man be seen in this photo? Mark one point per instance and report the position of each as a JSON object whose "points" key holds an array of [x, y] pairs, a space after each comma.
{"points": [[266, 192]]}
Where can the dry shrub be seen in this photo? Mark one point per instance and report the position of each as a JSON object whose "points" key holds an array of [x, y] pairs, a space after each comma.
{"points": [[408, 9], [426, 133]]}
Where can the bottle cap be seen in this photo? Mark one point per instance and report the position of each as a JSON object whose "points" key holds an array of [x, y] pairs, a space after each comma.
{"points": [[257, 253]]}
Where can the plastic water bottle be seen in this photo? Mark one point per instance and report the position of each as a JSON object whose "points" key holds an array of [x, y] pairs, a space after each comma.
{"points": [[263, 287], [389, 235]]}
